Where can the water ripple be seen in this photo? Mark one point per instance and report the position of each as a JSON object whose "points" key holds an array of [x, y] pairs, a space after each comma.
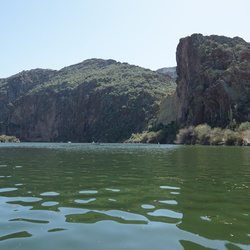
{"points": [[112, 199], [174, 192], [50, 203], [50, 194], [146, 206], [84, 201], [57, 230], [23, 199], [166, 213], [23, 234], [169, 187], [125, 215], [206, 218], [93, 216], [31, 221], [2, 190], [18, 166], [114, 190], [170, 202], [88, 192]]}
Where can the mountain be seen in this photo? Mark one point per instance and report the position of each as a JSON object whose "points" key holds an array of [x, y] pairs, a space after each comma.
{"points": [[169, 71], [96, 100], [213, 83], [105, 100]]}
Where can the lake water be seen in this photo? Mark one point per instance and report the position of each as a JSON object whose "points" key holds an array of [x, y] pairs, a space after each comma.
{"points": [[124, 196]]}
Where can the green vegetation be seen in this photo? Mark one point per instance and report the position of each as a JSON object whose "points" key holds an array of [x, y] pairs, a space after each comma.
{"points": [[6, 138], [118, 77], [157, 134], [205, 135]]}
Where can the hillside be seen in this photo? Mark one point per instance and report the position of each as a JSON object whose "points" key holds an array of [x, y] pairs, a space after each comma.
{"points": [[96, 100]]}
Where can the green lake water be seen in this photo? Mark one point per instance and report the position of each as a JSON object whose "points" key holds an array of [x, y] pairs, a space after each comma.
{"points": [[124, 196]]}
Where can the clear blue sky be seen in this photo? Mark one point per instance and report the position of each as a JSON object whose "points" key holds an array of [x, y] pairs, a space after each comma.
{"points": [[57, 33]]}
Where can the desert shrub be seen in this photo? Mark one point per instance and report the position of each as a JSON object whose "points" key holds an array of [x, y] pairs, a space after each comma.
{"points": [[150, 137], [216, 140], [135, 138], [232, 138], [216, 136], [6, 138], [246, 136], [203, 133], [244, 126], [186, 136], [153, 136], [158, 133]]}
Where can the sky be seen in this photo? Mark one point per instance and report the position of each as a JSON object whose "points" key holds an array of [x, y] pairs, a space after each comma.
{"points": [[52, 34]]}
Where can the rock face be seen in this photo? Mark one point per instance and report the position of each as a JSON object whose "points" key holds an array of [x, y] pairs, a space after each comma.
{"points": [[213, 83], [16, 86], [96, 100]]}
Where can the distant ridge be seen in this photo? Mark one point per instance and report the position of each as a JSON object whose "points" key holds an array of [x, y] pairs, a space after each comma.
{"points": [[169, 71]]}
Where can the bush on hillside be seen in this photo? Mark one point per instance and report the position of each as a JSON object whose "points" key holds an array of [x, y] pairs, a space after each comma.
{"points": [[217, 135], [244, 127], [203, 133], [246, 137], [6, 138], [186, 136], [155, 134], [232, 138]]}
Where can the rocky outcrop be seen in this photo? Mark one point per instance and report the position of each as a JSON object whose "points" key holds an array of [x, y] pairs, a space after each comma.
{"points": [[96, 100], [213, 83]]}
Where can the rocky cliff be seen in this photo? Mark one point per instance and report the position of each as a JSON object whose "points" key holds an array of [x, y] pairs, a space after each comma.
{"points": [[213, 83], [96, 100], [16, 86]]}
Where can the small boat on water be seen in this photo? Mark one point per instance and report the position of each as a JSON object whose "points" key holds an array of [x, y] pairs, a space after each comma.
{"points": [[96, 143]]}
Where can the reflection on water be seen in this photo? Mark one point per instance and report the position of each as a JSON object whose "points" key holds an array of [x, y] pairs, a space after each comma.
{"points": [[120, 196]]}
